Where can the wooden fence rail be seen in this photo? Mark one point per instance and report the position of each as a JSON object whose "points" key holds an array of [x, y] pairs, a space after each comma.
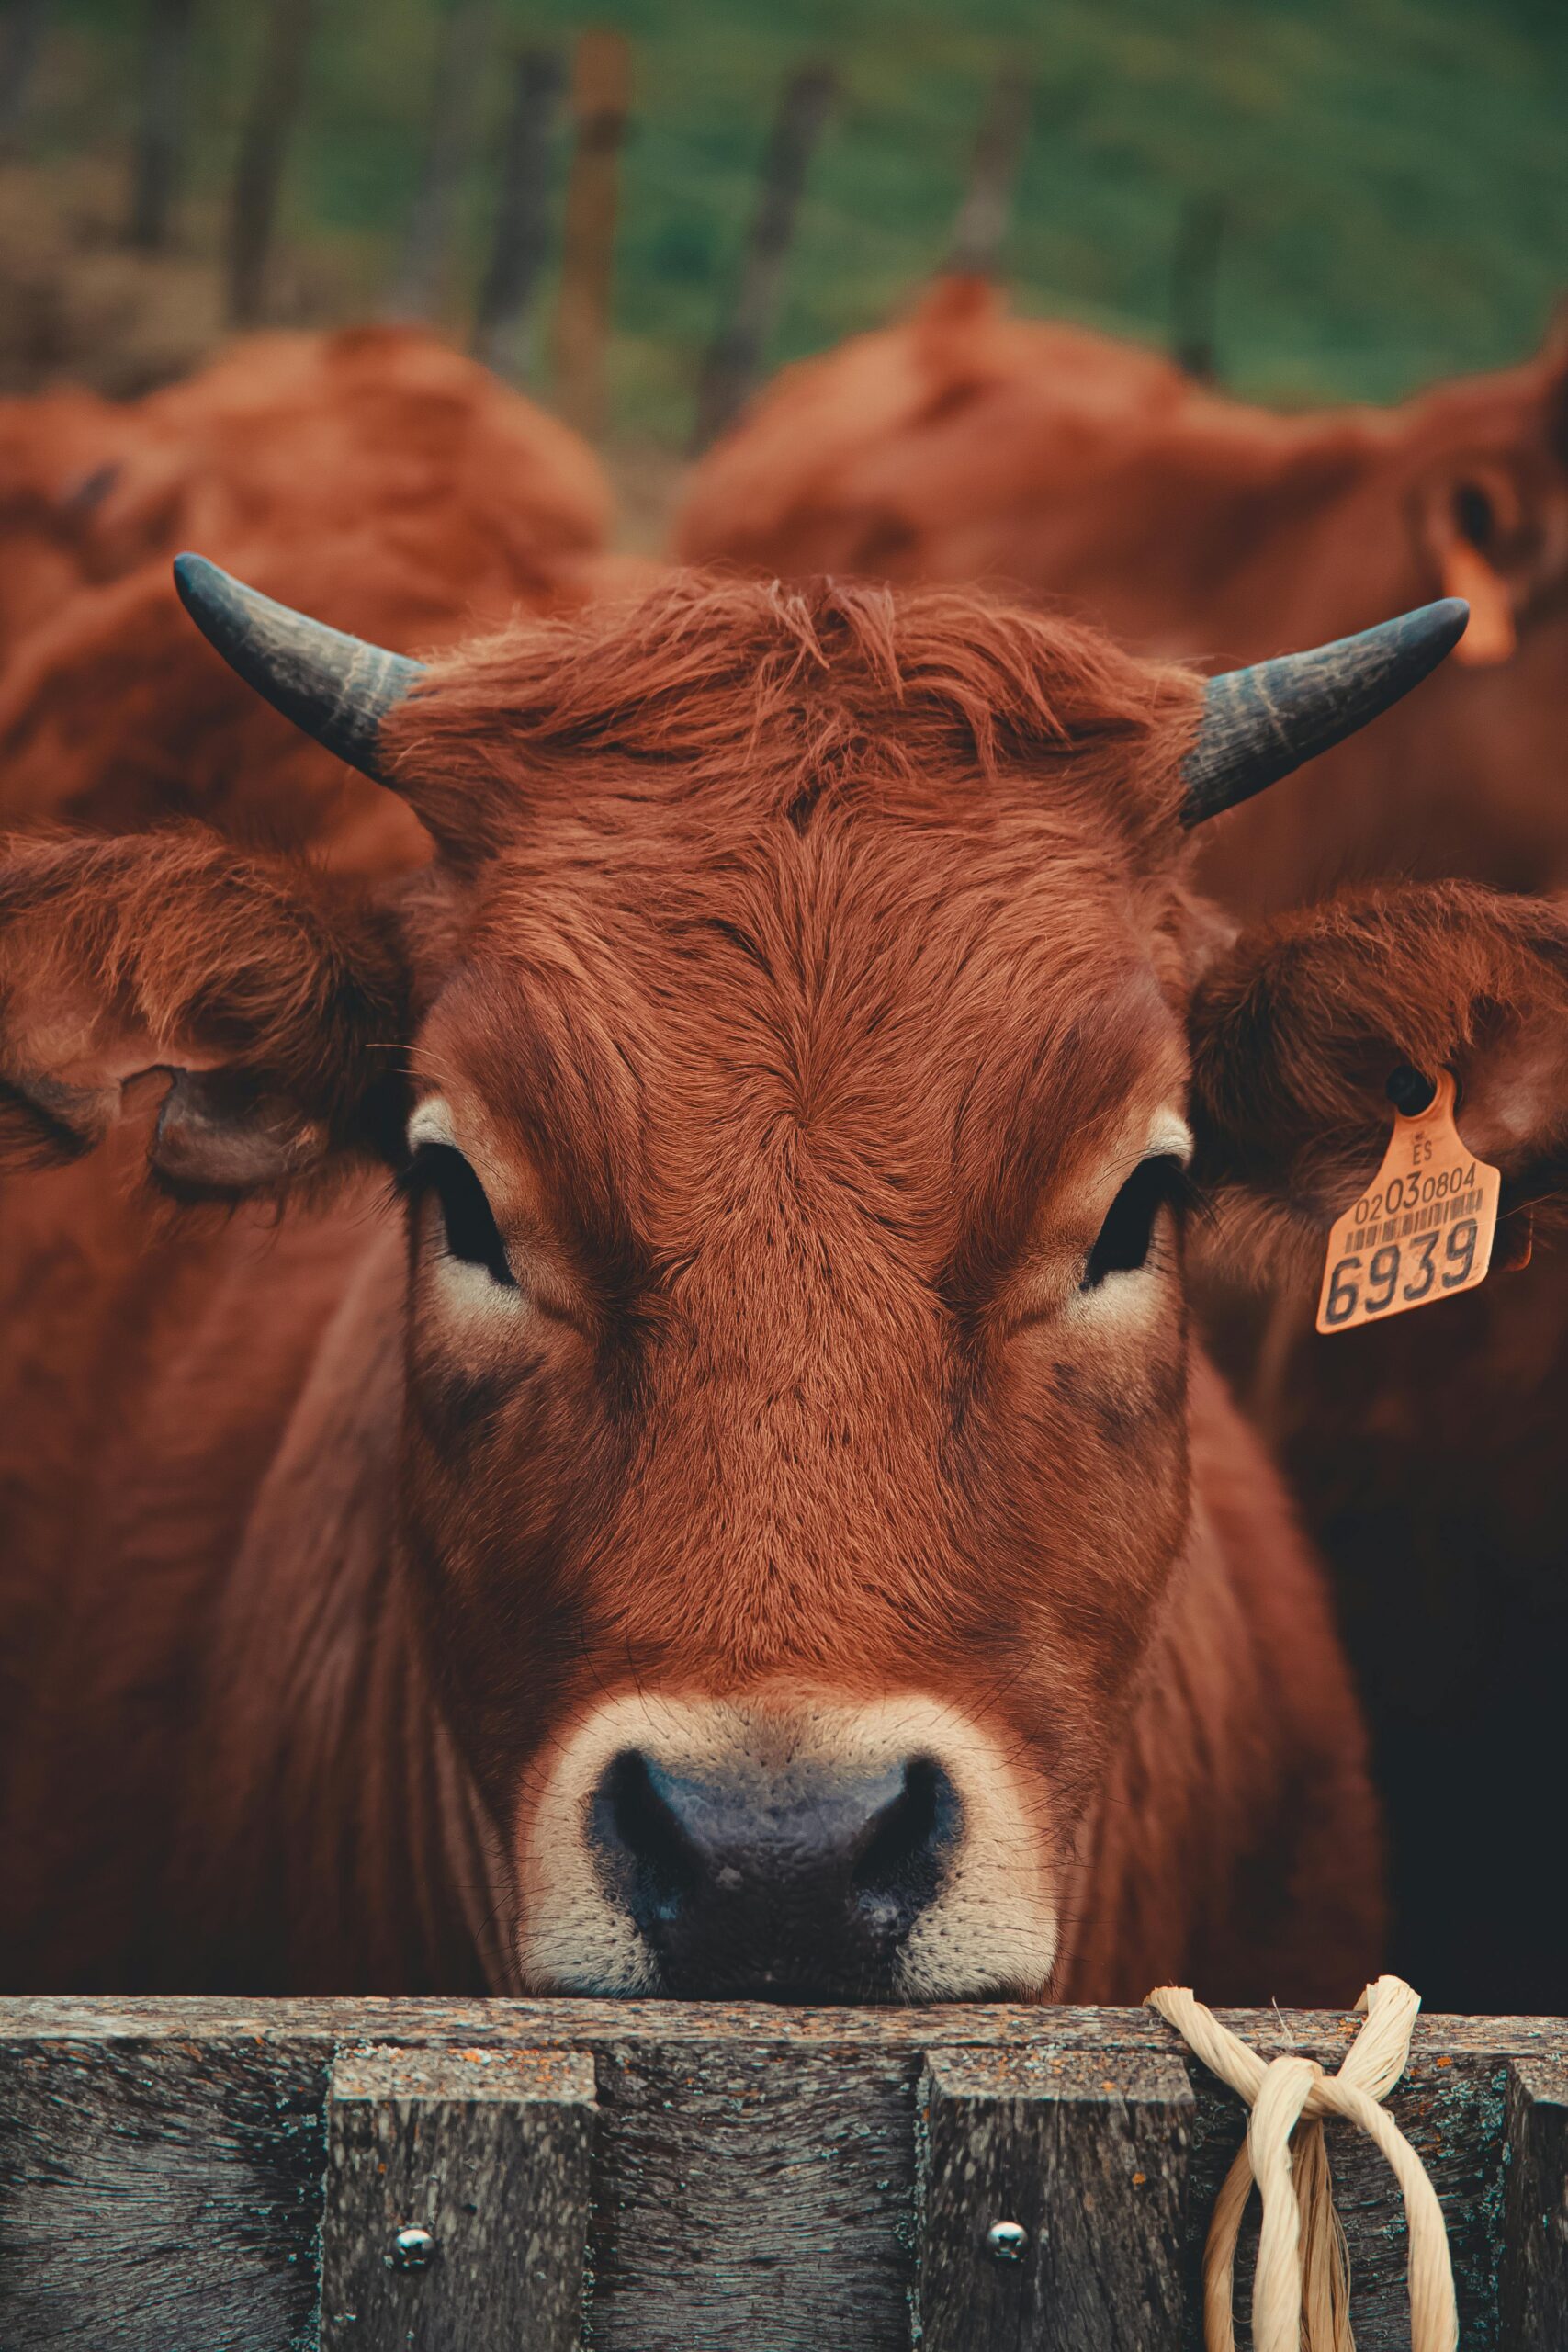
{"points": [[664, 2177]]}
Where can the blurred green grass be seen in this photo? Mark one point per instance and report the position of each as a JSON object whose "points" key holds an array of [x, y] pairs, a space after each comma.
{"points": [[1395, 170]]}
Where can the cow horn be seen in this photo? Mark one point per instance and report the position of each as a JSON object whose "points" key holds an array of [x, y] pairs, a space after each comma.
{"points": [[337, 688], [1260, 723]]}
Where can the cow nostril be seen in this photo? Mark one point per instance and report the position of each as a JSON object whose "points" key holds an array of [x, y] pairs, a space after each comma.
{"points": [[636, 1830], [900, 1869]]}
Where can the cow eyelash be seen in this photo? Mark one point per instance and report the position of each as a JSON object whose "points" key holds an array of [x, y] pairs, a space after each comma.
{"points": [[1125, 1237], [469, 1226]]}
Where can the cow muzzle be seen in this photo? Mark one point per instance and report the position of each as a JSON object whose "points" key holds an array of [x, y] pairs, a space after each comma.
{"points": [[786, 1850]]}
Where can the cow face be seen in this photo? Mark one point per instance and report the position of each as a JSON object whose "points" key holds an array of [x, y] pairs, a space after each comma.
{"points": [[793, 1468], [798, 1344]]}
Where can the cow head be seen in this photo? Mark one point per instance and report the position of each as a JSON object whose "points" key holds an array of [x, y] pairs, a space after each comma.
{"points": [[1488, 497], [786, 1068], [66, 514]]}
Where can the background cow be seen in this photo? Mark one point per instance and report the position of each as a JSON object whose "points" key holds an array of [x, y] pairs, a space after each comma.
{"points": [[764, 1526], [964, 445], [373, 474], [1427, 1456]]}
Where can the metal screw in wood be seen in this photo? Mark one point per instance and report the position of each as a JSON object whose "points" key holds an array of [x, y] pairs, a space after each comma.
{"points": [[413, 2248]]}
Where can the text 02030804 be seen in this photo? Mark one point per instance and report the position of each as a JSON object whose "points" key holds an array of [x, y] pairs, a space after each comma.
{"points": [[1423, 1229]]}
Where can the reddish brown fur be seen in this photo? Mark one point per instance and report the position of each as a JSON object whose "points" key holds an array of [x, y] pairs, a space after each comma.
{"points": [[823, 949], [372, 476], [964, 445], [61, 453]]}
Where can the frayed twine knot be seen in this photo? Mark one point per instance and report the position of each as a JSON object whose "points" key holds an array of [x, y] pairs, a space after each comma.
{"points": [[1301, 2293]]}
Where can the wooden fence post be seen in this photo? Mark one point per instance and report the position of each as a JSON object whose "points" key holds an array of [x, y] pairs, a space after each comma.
{"points": [[1533, 2286], [463, 40], [21, 38], [734, 357], [263, 146], [520, 244], [983, 215], [456, 2200], [600, 91], [1194, 276], [1050, 2196], [161, 132]]}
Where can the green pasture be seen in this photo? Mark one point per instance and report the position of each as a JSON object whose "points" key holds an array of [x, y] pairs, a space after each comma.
{"points": [[1395, 170]]}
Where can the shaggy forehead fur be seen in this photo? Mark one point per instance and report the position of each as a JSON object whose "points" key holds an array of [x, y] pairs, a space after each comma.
{"points": [[783, 874], [737, 702]]}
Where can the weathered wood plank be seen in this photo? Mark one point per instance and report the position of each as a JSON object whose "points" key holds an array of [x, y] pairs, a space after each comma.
{"points": [[161, 2199], [1320, 2033], [754, 2197], [456, 2200], [1052, 2202], [1533, 2294]]}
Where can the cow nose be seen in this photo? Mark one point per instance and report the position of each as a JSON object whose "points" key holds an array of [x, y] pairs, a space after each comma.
{"points": [[797, 1889]]}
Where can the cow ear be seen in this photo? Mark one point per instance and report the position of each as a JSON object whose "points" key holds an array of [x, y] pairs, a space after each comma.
{"points": [[275, 997], [1298, 1027], [1471, 526]]}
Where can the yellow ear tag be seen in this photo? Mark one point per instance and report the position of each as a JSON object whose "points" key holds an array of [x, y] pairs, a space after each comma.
{"points": [[1421, 1231]]}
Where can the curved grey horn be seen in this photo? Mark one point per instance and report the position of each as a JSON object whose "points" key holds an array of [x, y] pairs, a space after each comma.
{"points": [[1260, 723], [337, 688]]}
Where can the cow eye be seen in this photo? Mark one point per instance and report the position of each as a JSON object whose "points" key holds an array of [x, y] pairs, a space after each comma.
{"points": [[1127, 1234], [469, 1226]]}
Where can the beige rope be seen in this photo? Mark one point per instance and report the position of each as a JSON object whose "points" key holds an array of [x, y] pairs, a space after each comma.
{"points": [[1301, 2294]]}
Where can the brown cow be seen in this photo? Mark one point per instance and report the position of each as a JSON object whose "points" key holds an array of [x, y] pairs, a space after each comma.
{"points": [[964, 445], [374, 474], [758, 1523]]}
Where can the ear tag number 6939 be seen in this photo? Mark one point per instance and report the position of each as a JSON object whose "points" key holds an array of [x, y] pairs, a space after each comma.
{"points": [[1421, 1230]]}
